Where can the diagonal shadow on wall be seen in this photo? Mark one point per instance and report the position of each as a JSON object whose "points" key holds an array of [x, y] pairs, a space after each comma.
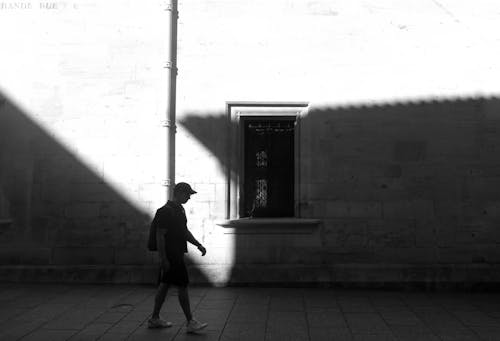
{"points": [[59, 220], [405, 182]]}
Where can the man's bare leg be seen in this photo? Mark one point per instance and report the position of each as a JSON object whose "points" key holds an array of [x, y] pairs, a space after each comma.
{"points": [[193, 325], [159, 299], [184, 302]]}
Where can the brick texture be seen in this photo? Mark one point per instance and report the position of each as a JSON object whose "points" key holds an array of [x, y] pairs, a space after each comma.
{"points": [[396, 163]]}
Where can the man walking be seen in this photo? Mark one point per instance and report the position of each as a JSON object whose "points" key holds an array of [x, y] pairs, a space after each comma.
{"points": [[172, 236]]}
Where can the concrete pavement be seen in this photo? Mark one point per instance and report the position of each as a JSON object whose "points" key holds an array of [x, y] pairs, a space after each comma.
{"points": [[119, 312]]}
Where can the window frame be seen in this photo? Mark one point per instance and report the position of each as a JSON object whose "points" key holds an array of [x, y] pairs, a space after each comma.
{"points": [[237, 112]]}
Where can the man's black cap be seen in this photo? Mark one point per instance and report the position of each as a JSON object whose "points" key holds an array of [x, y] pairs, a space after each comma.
{"points": [[184, 188]]}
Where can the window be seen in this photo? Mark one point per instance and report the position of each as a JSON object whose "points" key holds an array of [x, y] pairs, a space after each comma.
{"points": [[268, 167], [264, 154]]}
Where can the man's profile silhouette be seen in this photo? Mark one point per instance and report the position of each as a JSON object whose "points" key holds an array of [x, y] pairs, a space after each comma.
{"points": [[172, 236]]}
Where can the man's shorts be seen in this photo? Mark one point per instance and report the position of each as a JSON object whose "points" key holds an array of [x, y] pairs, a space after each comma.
{"points": [[177, 273]]}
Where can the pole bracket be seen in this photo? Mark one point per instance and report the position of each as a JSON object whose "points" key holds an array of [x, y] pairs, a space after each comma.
{"points": [[168, 124], [169, 65], [168, 7]]}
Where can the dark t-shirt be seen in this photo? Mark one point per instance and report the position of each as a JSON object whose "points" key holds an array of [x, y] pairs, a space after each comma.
{"points": [[171, 218]]}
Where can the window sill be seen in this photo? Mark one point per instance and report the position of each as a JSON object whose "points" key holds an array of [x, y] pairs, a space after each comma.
{"points": [[269, 225]]}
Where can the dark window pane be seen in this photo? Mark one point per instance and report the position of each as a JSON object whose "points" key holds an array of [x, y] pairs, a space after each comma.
{"points": [[269, 168]]}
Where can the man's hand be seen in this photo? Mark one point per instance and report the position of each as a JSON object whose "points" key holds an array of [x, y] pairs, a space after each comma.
{"points": [[202, 250], [165, 264]]}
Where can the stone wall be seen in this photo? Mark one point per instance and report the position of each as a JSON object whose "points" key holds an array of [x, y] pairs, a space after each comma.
{"points": [[397, 149], [405, 192], [405, 183]]}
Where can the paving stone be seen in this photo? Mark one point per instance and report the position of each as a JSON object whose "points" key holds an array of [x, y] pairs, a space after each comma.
{"points": [[323, 309], [147, 304], [137, 296], [321, 302], [489, 333], [417, 337], [366, 323], [263, 305], [419, 332], [50, 335], [122, 308], [459, 337], [110, 317], [216, 319], [210, 304], [326, 319], [124, 327], [487, 304], [260, 301], [330, 334], [405, 318], [72, 297], [287, 304], [248, 314], [475, 318], [83, 337], [441, 321], [9, 293], [177, 319], [387, 304], [244, 332], [92, 331], [45, 311], [145, 334], [373, 337], [30, 301], [14, 330], [292, 334], [99, 303], [493, 314], [257, 297], [200, 291], [171, 305], [453, 303], [113, 337], [11, 313], [418, 300], [135, 315], [222, 294], [205, 335], [433, 310], [287, 318], [75, 319], [355, 305]]}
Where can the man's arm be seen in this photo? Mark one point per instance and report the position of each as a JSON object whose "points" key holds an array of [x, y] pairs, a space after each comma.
{"points": [[161, 229], [190, 238], [160, 240]]}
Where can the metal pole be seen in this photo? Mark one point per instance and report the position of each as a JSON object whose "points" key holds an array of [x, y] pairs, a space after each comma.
{"points": [[171, 66]]}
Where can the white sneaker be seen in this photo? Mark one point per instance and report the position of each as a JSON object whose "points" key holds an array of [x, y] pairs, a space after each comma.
{"points": [[194, 325], [158, 323]]}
